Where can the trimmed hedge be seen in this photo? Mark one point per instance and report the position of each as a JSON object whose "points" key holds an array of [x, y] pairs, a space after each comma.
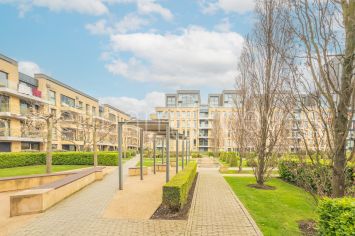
{"points": [[308, 176], [337, 216], [15, 159], [230, 157], [176, 191]]}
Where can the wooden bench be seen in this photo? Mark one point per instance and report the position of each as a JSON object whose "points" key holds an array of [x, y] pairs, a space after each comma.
{"points": [[134, 171], [39, 199]]}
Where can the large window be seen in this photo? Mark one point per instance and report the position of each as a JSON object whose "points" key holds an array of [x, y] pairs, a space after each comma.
{"points": [[3, 79], [52, 97], [4, 127], [29, 146], [171, 101], [4, 103], [188, 100], [67, 101], [214, 101], [228, 100]]}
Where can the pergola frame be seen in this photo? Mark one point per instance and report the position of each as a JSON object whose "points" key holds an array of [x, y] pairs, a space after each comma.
{"points": [[159, 128]]}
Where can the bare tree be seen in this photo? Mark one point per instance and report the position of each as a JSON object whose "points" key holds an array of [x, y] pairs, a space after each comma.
{"points": [[325, 35], [39, 123], [242, 103], [266, 76], [217, 133]]}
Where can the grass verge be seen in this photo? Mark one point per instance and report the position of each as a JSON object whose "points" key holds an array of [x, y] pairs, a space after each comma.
{"points": [[276, 212]]}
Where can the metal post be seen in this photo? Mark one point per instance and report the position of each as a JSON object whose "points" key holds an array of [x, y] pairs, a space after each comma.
{"points": [[141, 156], [167, 153], [182, 152], [162, 152], [186, 152], [120, 181], [177, 153], [154, 156]]}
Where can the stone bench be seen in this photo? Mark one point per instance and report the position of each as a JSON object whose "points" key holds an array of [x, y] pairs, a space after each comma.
{"points": [[26, 182], [160, 167], [134, 171], [39, 199]]}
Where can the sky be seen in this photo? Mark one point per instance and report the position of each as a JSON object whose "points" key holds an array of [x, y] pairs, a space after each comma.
{"points": [[128, 53]]}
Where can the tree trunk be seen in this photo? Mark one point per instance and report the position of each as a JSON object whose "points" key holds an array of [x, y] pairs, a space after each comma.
{"points": [[342, 118], [95, 146], [49, 146]]}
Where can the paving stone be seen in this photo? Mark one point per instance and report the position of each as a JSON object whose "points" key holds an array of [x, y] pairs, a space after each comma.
{"points": [[214, 211]]}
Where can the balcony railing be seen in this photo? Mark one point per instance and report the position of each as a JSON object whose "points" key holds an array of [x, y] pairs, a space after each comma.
{"points": [[22, 90]]}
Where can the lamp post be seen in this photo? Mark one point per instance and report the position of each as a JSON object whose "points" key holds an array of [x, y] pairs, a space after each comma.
{"points": [[120, 182]]}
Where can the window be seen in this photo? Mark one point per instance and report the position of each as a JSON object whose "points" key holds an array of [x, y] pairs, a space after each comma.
{"points": [[214, 101], [51, 97], [177, 115], [24, 108], [112, 117], [93, 111], [3, 79], [67, 101], [188, 100], [87, 109], [177, 124], [80, 105], [4, 127], [29, 146], [171, 101], [4, 103]]}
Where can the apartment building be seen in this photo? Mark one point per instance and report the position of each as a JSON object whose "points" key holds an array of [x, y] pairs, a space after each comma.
{"points": [[189, 116], [26, 100]]}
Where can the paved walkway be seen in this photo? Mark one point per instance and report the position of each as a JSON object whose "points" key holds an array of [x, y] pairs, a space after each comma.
{"points": [[214, 211]]}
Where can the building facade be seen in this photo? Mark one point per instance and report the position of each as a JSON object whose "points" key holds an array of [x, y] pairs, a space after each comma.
{"points": [[189, 116], [26, 101]]}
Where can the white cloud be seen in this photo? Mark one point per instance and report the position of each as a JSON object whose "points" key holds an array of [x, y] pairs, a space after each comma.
{"points": [[223, 26], [136, 107], [91, 7], [195, 57], [239, 6], [99, 27], [129, 23], [150, 6], [28, 68], [146, 7]]}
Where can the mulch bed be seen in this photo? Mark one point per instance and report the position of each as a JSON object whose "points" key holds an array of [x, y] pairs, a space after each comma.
{"points": [[307, 227], [164, 213], [264, 187]]}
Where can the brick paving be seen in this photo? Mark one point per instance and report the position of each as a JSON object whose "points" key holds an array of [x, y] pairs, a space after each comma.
{"points": [[214, 211]]}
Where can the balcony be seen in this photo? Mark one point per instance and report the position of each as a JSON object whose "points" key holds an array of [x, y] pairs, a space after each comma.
{"points": [[22, 91]]}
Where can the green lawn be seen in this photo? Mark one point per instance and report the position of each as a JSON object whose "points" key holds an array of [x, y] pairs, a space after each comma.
{"points": [[245, 172], [148, 162], [275, 211], [244, 163], [32, 170]]}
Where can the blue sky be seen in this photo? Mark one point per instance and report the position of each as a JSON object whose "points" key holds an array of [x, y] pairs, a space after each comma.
{"points": [[128, 52]]}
